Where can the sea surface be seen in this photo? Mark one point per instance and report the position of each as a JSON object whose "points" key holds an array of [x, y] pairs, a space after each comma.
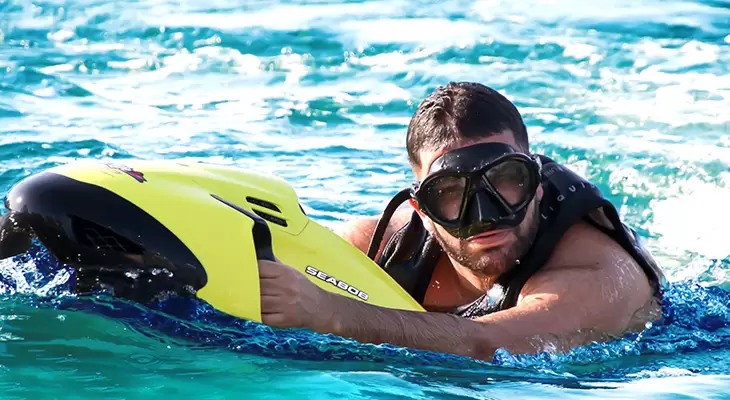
{"points": [[632, 95]]}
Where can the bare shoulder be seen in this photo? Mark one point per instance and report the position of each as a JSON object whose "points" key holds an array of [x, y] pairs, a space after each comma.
{"points": [[585, 246], [597, 277], [359, 231]]}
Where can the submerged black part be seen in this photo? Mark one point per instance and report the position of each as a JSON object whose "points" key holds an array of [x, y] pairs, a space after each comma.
{"points": [[111, 243]]}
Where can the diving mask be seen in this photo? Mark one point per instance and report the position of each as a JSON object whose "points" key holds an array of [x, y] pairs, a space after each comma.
{"points": [[478, 188]]}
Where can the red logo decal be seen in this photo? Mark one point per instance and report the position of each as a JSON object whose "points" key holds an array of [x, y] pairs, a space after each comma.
{"points": [[139, 176]]}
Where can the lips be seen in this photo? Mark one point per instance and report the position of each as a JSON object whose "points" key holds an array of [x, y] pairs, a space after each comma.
{"points": [[489, 235]]}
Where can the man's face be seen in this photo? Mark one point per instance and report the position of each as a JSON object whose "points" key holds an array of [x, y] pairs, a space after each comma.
{"points": [[494, 252]]}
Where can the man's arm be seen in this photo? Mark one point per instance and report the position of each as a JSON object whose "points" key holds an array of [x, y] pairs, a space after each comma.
{"points": [[574, 300], [562, 311], [579, 297], [549, 317]]}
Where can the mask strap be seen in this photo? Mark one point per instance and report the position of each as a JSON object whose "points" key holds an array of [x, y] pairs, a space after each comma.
{"points": [[379, 231]]}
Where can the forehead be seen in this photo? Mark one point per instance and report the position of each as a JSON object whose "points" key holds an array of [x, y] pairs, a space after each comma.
{"points": [[429, 156]]}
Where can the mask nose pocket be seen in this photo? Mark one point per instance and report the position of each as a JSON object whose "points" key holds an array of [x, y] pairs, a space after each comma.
{"points": [[481, 208]]}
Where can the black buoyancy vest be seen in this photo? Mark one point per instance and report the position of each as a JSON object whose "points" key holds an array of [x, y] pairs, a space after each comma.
{"points": [[411, 254]]}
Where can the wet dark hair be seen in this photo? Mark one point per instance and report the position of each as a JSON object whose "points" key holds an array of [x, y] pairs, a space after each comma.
{"points": [[462, 110]]}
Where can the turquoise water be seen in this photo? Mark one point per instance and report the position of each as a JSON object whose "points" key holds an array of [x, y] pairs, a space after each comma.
{"points": [[632, 95]]}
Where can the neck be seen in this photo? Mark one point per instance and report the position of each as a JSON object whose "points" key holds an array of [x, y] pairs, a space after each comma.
{"points": [[453, 285], [473, 283]]}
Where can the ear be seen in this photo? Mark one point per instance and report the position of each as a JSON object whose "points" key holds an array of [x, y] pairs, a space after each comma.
{"points": [[423, 216], [415, 207]]}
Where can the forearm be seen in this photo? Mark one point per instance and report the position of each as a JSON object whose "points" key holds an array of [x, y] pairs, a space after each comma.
{"points": [[517, 330], [436, 332]]}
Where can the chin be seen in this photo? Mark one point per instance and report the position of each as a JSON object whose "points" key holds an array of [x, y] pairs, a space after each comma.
{"points": [[490, 262], [491, 269]]}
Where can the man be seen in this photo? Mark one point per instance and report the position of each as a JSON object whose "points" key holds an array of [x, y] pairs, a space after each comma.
{"points": [[503, 248]]}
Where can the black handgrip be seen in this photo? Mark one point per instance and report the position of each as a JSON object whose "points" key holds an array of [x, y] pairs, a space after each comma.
{"points": [[260, 230], [261, 238]]}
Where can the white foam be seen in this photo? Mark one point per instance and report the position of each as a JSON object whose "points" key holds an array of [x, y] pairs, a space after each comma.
{"points": [[571, 11], [694, 220], [421, 31], [15, 275], [283, 17]]}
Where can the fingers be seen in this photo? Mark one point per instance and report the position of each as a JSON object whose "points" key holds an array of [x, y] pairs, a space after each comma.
{"points": [[278, 320], [274, 269], [282, 288], [270, 269], [276, 313], [276, 280], [271, 304], [273, 288]]}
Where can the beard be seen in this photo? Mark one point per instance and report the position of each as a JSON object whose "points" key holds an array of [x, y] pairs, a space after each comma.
{"points": [[495, 260]]}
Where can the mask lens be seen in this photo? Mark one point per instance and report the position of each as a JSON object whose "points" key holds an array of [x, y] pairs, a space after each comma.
{"points": [[444, 196], [512, 180]]}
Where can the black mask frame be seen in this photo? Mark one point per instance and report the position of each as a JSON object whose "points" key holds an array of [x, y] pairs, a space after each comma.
{"points": [[484, 156], [482, 208]]}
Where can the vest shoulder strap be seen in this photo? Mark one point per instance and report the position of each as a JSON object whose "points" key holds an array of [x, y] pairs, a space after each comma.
{"points": [[410, 257]]}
